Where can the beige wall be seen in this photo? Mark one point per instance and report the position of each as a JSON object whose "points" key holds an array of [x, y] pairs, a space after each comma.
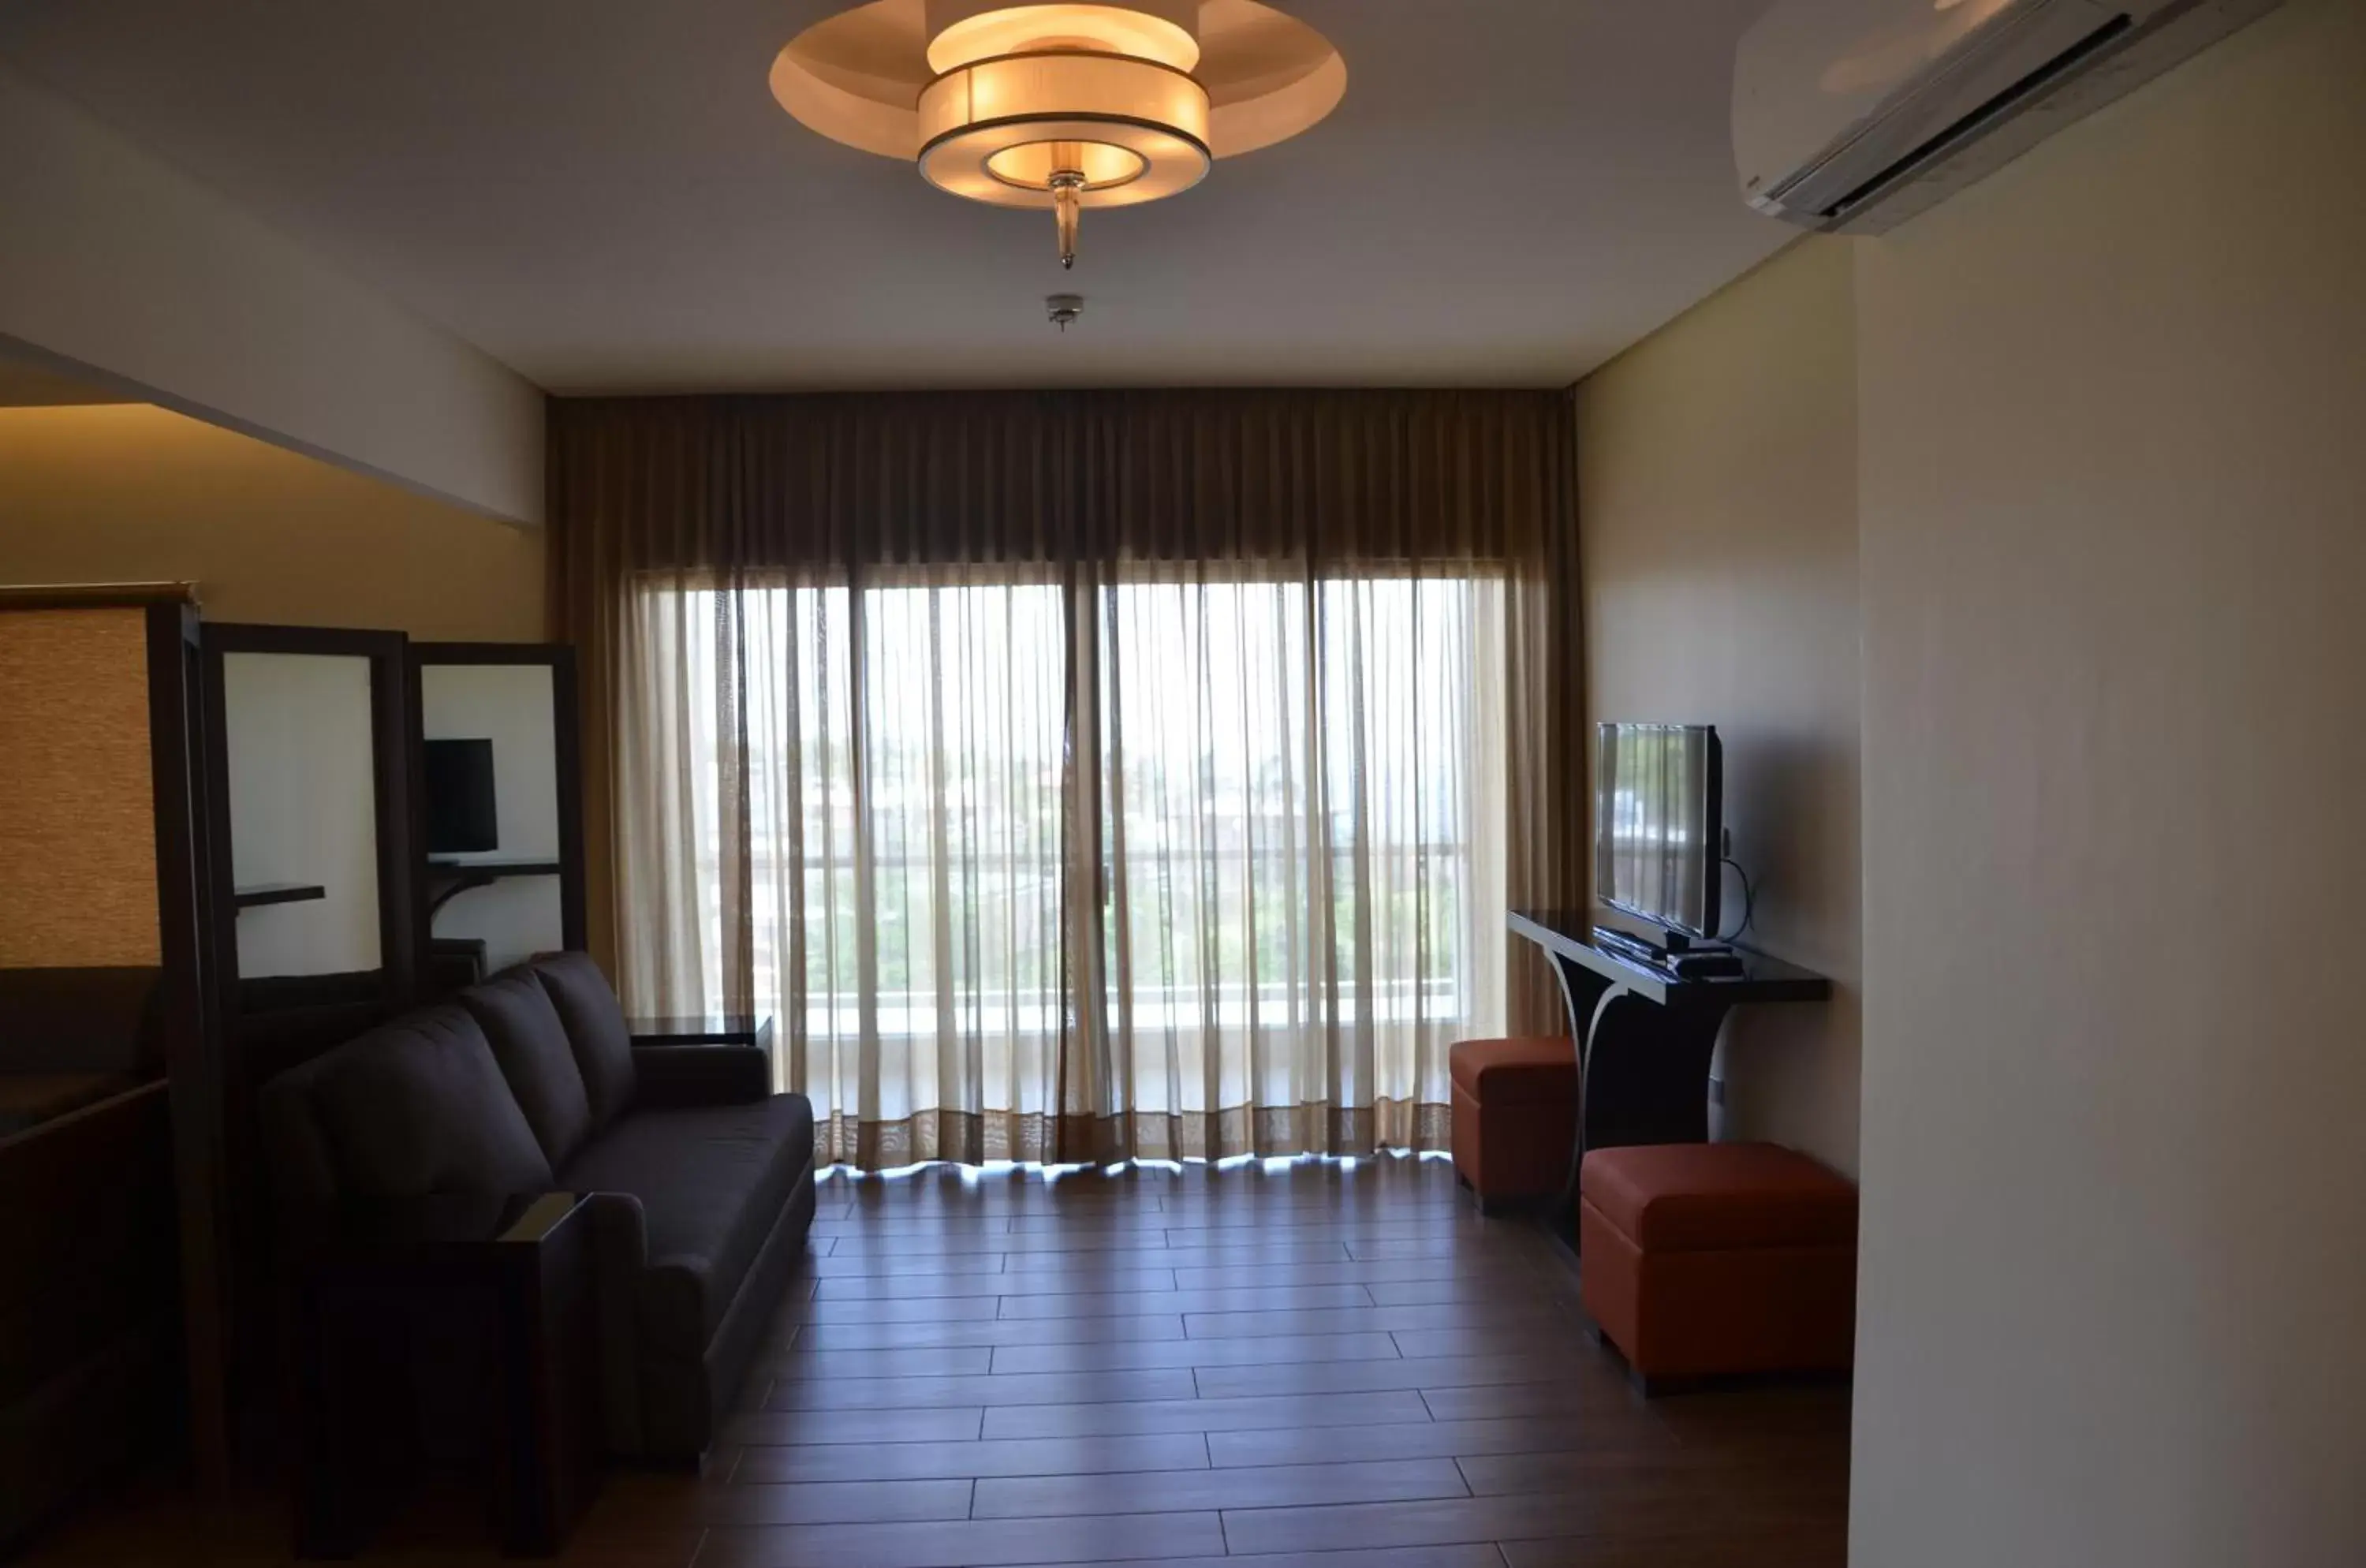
{"points": [[116, 262], [1717, 493], [2114, 482], [132, 492]]}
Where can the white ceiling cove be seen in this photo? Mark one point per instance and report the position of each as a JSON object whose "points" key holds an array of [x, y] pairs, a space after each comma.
{"points": [[603, 194]]}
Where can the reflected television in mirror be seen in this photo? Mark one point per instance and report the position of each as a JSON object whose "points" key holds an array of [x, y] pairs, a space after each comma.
{"points": [[461, 819]]}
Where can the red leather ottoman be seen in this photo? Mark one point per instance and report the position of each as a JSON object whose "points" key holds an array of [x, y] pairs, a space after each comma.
{"points": [[1704, 1260], [1514, 1115]]}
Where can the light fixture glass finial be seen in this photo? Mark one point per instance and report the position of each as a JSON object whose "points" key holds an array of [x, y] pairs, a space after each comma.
{"points": [[1068, 206]]}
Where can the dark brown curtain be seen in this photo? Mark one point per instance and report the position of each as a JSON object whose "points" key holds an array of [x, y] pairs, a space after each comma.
{"points": [[700, 544]]}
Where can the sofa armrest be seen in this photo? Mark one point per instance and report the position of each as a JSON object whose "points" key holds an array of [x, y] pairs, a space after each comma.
{"points": [[620, 1251], [701, 1075]]}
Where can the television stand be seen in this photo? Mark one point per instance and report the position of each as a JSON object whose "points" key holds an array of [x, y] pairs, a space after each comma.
{"points": [[1645, 1033]]}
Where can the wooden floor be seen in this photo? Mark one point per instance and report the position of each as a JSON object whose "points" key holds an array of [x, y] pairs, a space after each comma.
{"points": [[1306, 1365]]}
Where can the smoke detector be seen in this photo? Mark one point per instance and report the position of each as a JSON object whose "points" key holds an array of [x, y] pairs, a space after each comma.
{"points": [[1063, 308]]}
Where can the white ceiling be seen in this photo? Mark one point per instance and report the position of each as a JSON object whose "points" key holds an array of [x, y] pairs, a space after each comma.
{"points": [[603, 194]]}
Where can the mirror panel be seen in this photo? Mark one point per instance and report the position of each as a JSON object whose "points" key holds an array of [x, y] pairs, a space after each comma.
{"points": [[298, 735], [513, 909]]}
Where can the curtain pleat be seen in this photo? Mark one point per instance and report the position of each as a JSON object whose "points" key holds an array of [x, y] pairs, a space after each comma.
{"points": [[1081, 776]]}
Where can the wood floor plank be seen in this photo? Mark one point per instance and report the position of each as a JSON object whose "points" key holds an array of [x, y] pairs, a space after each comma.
{"points": [[1010, 1359], [1476, 1319], [1804, 1547], [989, 1332], [1561, 1335], [756, 1428], [1502, 1275], [1630, 1515], [967, 1543], [1353, 1527], [1161, 1492], [1396, 1557], [926, 1262], [1628, 1470], [862, 1303], [1035, 1282], [904, 1362], [1356, 1377], [1543, 1285], [1200, 1415], [949, 1223], [1273, 1298], [1439, 1439], [1381, 1226], [1104, 1455], [1155, 1252], [1597, 1388], [1124, 1385], [835, 1502]]}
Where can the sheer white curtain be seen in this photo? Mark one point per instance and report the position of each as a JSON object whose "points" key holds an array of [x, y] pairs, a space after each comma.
{"points": [[1303, 808], [1165, 866]]}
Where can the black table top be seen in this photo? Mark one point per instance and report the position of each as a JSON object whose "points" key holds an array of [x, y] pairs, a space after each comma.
{"points": [[1569, 934], [699, 1029]]}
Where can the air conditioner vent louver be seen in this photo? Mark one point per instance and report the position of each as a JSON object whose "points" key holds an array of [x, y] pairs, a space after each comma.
{"points": [[1967, 129], [1856, 114]]}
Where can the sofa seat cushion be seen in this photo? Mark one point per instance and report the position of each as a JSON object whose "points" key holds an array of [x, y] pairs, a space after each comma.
{"points": [[1706, 1197], [537, 1062], [418, 1106], [1515, 1072], [595, 1029], [711, 1180]]}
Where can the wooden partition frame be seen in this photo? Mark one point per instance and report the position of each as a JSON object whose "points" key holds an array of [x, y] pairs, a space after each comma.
{"points": [[187, 1022], [566, 737], [391, 727], [257, 1045]]}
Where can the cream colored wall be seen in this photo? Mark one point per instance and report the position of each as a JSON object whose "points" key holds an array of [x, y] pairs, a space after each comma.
{"points": [[2113, 478], [117, 263], [132, 492], [1717, 474]]}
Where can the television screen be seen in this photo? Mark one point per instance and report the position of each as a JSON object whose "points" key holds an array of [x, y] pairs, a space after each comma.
{"points": [[460, 816], [1657, 835]]}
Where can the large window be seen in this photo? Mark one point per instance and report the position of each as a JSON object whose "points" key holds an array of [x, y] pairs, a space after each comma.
{"points": [[1240, 840]]}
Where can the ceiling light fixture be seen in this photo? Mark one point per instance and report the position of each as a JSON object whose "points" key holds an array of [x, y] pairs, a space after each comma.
{"points": [[1060, 107]]}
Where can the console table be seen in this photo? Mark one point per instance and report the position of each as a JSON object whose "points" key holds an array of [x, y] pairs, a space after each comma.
{"points": [[1644, 1036]]}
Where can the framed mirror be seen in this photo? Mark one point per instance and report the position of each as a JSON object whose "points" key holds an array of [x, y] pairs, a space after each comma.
{"points": [[311, 805], [499, 807]]}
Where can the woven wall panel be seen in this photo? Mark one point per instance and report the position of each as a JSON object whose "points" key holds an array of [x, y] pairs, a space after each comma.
{"points": [[77, 823]]}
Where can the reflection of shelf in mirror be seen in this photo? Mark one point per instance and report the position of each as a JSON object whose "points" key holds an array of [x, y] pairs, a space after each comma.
{"points": [[459, 876], [262, 892]]}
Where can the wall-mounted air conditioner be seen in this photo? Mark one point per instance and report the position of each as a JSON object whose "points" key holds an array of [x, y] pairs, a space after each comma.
{"points": [[1854, 115]]}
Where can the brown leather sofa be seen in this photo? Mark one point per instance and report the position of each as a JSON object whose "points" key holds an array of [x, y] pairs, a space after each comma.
{"points": [[530, 1082]]}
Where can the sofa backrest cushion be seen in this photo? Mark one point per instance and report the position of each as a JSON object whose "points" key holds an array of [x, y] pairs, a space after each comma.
{"points": [[595, 1027], [532, 1049], [418, 1106]]}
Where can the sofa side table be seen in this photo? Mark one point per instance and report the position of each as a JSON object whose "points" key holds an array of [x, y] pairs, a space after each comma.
{"points": [[521, 1267]]}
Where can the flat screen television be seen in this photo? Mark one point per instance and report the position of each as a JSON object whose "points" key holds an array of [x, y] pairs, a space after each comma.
{"points": [[460, 815], [1658, 831]]}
